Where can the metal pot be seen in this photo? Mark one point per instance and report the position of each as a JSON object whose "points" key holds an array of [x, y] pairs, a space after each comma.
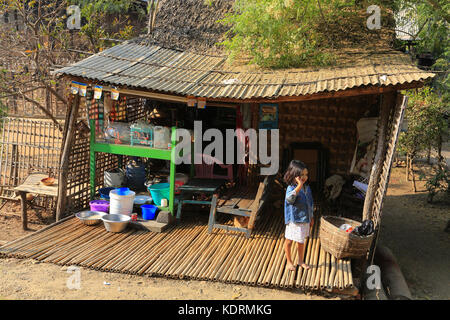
{"points": [[90, 218]]}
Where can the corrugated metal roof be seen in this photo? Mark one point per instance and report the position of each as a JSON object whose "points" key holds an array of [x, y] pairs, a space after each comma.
{"points": [[186, 73]]}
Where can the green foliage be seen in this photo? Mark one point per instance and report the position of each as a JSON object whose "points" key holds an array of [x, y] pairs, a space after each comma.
{"points": [[432, 18], [441, 82], [440, 182], [279, 33], [295, 33], [434, 36], [426, 122], [105, 6]]}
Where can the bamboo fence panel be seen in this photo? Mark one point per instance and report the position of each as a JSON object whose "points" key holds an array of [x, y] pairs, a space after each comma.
{"points": [[28, 146]]}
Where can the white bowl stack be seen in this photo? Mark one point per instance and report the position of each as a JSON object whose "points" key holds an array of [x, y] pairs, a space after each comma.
{"points": [[121, 204]]}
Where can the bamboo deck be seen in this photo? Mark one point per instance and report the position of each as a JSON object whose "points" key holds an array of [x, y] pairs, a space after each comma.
{"points": [[187, 251]]}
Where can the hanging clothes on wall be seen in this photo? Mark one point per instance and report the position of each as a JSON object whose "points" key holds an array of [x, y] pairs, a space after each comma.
{"points": [[365, 147]]}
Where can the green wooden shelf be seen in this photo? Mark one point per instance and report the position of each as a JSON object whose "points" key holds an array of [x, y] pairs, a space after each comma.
{"points": [[134, 151]]}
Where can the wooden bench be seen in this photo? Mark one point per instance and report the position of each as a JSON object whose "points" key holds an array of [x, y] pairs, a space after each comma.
{"points": [[32, 184], [241, 201]]}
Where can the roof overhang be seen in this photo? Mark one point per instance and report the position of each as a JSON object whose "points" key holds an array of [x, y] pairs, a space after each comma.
{"points": [[174, 74]]}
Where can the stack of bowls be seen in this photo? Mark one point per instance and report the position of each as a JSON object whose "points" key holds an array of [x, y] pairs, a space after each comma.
{"points": [[121, 201]]}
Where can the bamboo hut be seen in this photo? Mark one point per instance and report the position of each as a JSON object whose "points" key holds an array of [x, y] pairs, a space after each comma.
{"points": [[317, 109]]}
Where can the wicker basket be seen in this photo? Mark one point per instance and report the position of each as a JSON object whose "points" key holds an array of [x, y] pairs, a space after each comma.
{"points": [[340, 243]]}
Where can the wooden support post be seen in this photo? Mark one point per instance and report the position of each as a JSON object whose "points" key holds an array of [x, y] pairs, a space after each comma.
{"points": [[172, 171], [23, 203], [92, 165], [377, 165], [212, 213], [68, 135], [398, 113], [14, 170]]}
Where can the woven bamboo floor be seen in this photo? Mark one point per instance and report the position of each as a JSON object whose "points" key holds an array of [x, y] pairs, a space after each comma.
{"points": [[187, 251]]}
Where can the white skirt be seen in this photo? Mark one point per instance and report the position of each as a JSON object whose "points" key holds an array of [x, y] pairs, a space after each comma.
{"points": [[297, 232]]}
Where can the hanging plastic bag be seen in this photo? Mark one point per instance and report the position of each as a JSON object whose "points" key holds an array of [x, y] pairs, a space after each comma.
{"points": [[366, 228], [161, 136], [118, 133], [98, 92], [345, 227]]}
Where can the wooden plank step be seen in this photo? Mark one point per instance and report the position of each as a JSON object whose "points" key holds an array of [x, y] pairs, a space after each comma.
{"points": [[234, 211], [150, 225]]}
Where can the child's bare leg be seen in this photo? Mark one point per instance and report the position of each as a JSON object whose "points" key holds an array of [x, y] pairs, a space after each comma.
{"points": [[300, 252], [287, 251]]}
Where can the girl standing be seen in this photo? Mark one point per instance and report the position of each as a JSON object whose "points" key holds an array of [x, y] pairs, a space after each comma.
{"points": [[298, 211]]}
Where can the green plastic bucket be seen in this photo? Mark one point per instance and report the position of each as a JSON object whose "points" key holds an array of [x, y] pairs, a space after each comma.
{"points": [[159, 191]]}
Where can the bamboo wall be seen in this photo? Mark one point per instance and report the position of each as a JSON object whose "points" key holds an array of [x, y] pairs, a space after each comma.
{"points": [[78, 177], [332, 122], [30, 142]]}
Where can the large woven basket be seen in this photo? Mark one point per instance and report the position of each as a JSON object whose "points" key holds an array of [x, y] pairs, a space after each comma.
{"points": [[340, 243]]}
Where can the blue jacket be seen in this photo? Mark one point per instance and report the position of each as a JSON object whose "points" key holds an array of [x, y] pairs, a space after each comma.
{"points": [[298, 207]]}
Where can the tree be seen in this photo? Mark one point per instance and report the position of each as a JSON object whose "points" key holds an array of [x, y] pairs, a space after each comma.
{"points": [[288, 33], [426, 126], [108, 19], [432, 19], [40, 40]]}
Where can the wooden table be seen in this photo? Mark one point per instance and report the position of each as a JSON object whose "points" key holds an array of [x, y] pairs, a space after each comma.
{"points": [[32, 184], [198, 185]]}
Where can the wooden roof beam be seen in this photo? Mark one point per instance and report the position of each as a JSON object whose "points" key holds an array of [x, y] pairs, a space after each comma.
{"points": [[352, 92]]}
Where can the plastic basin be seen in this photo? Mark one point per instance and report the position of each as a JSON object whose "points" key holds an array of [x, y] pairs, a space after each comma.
{"points": [[159, 191], [141, 199], [123, 191], [99, 205]]}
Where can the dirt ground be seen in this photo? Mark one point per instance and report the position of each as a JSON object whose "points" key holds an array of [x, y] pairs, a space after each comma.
{"points": [[414, 231], [411, 228], [28, 279]]}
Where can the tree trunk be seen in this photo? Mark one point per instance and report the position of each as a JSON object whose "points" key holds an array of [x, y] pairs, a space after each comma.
{"points": [[412, 174], [407, 168], [439, 151]]}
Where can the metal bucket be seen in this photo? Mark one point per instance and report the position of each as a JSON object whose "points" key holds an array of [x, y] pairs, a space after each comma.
{"points": [[114, 178]]}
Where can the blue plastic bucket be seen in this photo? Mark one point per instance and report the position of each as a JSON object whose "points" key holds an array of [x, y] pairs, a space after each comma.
{"points": [[159, 191], [148, 211]]}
